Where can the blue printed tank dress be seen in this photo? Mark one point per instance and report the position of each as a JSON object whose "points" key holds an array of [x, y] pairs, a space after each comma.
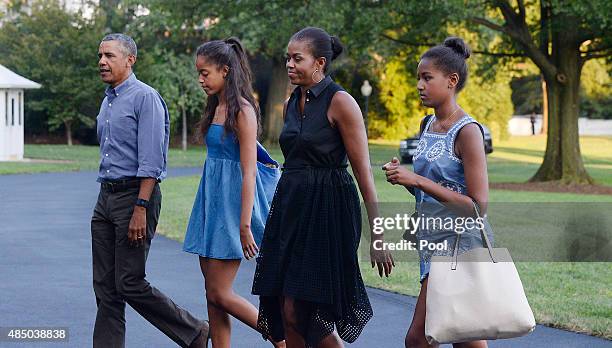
{"points": [[435, 159]]}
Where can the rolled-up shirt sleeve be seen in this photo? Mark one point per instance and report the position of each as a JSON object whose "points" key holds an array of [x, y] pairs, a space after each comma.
{"points": [[152, 119]]}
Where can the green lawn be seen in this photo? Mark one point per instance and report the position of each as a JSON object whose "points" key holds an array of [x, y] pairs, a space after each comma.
{"points": [[76, 158], [514, 160], [574, 296], [571, 296], [517, 159]]}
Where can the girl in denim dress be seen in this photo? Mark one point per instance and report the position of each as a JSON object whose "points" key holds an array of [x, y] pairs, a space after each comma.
{"points": [[237, 185]]}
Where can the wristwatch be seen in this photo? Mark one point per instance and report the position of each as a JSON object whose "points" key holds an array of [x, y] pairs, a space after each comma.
{"points": [[142, 203]]}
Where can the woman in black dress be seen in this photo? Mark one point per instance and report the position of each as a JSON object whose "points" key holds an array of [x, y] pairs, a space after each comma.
{"points": [[307, 276]]}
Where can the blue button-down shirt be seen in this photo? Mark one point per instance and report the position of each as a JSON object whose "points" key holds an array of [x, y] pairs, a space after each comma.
{"points": [[133, 131]]}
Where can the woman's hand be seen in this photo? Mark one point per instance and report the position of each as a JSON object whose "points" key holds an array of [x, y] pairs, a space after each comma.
{"points": [[398, 175], [382, 259], [249, 247]]}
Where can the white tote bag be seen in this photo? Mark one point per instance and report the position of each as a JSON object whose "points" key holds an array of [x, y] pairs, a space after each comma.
{"points": [[477, 295]]}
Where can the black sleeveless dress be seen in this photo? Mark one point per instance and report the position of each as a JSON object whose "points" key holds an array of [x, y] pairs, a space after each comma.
{"points": [[309, 247]]}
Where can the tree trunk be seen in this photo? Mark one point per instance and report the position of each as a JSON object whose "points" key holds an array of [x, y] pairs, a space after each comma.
{"points": [[562, 159], [544, 108], [277, 94], [68, 127], [184, 141]]}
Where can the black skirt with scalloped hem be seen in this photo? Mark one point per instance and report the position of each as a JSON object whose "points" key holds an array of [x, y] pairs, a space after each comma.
{"points": [[309, 254]]}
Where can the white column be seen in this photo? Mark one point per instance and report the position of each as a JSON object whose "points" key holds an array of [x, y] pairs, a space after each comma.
{"points": [[13, 144], [20, 124], [3, 127]]}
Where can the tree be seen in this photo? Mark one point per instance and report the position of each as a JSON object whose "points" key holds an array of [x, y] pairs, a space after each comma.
{"points": [[527, 94], [403, 111], [175, 78], [596, 93], [558, 36], [264, 27], [164, 58], [565, 36], [487, 99], [57, 49]]}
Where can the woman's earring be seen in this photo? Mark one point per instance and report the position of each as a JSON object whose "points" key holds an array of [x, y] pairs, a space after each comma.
{"points": [[313, 74], [313, 78]]}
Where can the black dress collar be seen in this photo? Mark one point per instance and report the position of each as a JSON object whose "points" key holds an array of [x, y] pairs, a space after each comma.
{"points": [[317, 89]]}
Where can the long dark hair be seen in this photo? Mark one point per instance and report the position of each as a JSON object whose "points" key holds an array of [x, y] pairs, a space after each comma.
{"points": [[238, 82]]}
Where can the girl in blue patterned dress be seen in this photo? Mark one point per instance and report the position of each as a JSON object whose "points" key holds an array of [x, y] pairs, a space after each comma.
{"points": [[237, 185], [450, 169]]}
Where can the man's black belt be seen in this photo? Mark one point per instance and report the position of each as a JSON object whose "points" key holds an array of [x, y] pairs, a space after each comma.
{"points": [[120, 185]]}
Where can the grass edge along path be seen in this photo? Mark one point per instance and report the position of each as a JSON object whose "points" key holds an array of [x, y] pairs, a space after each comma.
{"points": [[572, 296]]}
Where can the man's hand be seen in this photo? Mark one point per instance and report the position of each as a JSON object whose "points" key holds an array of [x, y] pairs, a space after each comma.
{"points": [[137, 231]]}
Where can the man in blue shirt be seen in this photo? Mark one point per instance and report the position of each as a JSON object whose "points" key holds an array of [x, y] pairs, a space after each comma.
{"points": [[133, 131]]}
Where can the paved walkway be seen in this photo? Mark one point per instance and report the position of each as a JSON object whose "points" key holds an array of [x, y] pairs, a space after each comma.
{"points": [[45, 273]]}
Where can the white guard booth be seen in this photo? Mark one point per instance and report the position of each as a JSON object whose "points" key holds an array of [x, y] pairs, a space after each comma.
{"points": [[11, 113]]}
